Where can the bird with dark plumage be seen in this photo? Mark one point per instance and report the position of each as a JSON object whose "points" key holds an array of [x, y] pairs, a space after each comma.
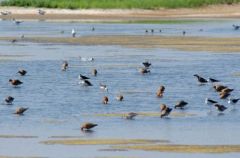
{"points": [[119, 97], [130, 115], [88, 126], [219, 87], [20, 111], [224, 95], [8, 100], [41, 12], [212, 80], [210, 101], [94, 72], [144, 70], [105, 100], [146, 64], [220, 108], [181, 104], [73, 33], [200, 79], [165, 111], [82, 77], [64, 66], [22, 72], [226, 90], [15, 82], [160, 91], [233, 101], [236, 27], [85, 83]]}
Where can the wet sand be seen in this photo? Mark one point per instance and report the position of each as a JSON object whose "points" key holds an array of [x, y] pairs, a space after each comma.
{"points": [[185, 43], [215, 11]]}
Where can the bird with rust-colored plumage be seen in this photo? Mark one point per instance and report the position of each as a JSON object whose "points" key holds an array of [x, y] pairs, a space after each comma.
{"points": [[105, 100]]}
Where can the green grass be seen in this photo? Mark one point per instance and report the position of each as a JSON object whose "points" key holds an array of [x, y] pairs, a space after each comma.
{"points": [[122, 4]]}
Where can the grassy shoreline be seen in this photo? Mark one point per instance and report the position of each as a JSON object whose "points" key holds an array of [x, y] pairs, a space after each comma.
{"points": [[115, 4]]}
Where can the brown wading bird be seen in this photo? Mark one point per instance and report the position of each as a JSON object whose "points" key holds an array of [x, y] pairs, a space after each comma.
{"points": [[130, 115], [64, 66], [224, 95], [88, 126], [219, 87], [15, 82], [94, 72], [22, 72], [144, 70], [105, 100], [165, 111], [181, 104], [20, 111], [160, 91], [119, 97]]}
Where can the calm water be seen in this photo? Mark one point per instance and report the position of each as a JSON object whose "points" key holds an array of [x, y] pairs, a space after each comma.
{"points": [[58, 104]]}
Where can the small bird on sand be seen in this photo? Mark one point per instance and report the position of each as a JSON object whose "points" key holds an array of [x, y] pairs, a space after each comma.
{"points": [[105, 100], [94, 72], [146, 64], [181, 104], [220, 108], [86, 83], [8, 100], [82, 77], [144, 70], [219, 87], [20, 111], [165, 111], [73, 33], [119, 97], [64, 66], [210, 101], [22, 72], [233, 101], [160, 91], [41, 12], [87, 126], [15, 82], [212, 80], [200, 79], [130, 115]]}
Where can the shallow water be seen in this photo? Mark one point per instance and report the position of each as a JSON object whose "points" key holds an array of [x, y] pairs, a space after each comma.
{"points": [[58, 104]]}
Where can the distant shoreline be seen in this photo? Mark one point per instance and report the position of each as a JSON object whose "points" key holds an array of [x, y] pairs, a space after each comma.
{"points": [[111, 15]]}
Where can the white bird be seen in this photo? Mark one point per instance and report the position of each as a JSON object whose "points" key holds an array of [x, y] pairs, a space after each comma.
{"points": [[73, 33], [86, 59], [103, 87]]}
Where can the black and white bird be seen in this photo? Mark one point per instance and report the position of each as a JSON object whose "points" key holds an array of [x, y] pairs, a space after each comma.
{"points": [[144, 70], [73, 33], [233, 101], [64, 66], [22, 72], [82, 77], [200, 79], [210, 101], [236, 27], [103, 87], [8, 100], [220, 108], [85, 83], [146, 64], [181, 104], [41, 12], [212, 80], [17, 22]]}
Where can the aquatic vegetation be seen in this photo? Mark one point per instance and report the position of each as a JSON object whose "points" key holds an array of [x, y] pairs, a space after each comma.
{"points": [[106, 4], [185, 148], [103, 141]]}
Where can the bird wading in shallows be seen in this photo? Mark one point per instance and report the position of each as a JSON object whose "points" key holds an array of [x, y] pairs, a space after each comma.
{"points": [[88, 126], [165, 111]]}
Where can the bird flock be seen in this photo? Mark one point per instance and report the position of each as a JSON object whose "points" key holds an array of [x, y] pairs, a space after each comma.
{"points": [[223, 91]]}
